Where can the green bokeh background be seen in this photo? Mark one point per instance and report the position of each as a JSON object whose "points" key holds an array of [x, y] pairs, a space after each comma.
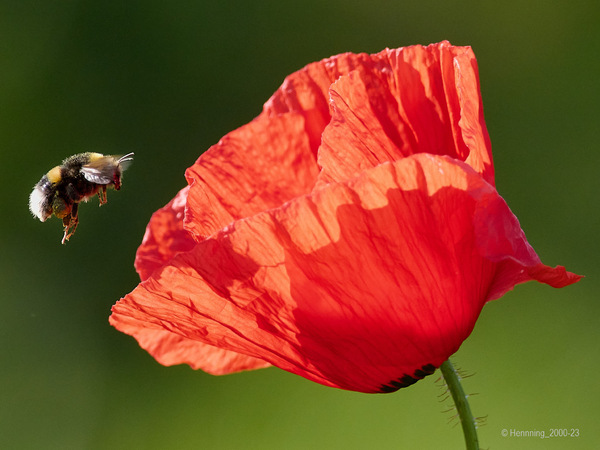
{"points": [[167, 80]]}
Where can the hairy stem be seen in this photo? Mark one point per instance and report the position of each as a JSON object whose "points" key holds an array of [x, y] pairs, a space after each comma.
{"points": [[462, 405]]}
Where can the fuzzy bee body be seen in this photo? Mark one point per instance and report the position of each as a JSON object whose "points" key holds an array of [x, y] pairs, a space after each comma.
{"points": [[79, 178]]}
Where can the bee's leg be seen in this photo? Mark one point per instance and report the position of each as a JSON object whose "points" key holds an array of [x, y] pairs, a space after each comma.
{"points": [[62, 207], [102, 195], [66, 224], [70, 222]]}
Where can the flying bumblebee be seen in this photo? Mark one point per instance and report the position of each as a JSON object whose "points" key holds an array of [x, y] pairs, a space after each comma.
{"points": [[79, 178]]}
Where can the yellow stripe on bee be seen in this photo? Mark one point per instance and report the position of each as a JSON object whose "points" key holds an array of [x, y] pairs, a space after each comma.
{"points": [[54, 175], [95, 156]]}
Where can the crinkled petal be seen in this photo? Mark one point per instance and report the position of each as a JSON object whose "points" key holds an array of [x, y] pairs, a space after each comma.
{"points": [[164, 237], [403, 102], [306, 92], [170, 348], [365, 285], [259, 166]]}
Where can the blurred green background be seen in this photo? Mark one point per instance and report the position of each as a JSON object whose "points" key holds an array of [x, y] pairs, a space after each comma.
{"points": [[167, 80]]}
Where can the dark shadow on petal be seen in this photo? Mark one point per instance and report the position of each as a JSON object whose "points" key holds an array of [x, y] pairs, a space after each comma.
{"points": [[395, 294], [408, 380]]}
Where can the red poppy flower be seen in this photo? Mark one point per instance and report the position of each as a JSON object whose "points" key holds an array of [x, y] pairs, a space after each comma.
{"points": [[350, 234]]}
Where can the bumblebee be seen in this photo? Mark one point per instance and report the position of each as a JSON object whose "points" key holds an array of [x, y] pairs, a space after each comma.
{"points": [[79, 178]]}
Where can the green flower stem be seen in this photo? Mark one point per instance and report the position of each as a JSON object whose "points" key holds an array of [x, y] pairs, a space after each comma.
{"points": [[462, 405]]}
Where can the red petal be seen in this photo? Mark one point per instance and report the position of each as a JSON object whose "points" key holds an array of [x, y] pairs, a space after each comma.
{"points": [[256, 167], [365, 285], [389, 105], [557, 277], [164, 237], [307, 92], [170, 348], [403, 102]]}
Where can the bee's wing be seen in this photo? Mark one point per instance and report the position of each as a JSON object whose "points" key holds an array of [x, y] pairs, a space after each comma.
{"points": [[100, 171]]}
